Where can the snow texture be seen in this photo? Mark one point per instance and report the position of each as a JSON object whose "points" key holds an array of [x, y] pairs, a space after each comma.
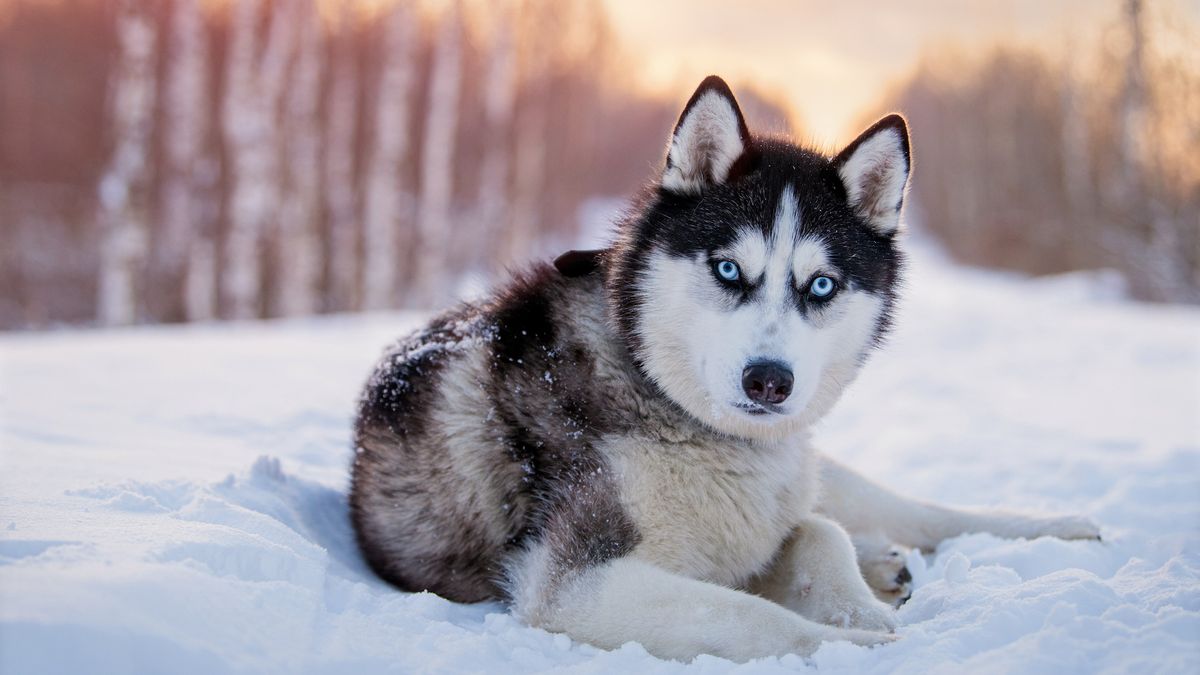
{"points": [[172, 499]]}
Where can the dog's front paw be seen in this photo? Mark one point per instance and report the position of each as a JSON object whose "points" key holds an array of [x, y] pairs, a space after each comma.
{"points": [[810, 641], [844, 600], [1069, 527], [869, 615], [886, 571]]}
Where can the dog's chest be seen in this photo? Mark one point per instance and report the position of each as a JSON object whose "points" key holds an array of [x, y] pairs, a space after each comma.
{"points": [[713, 513]]}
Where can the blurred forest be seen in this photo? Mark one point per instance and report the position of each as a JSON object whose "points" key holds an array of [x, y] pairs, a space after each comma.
{"points": [[184, 160], [188, 160], [1046, 164]]}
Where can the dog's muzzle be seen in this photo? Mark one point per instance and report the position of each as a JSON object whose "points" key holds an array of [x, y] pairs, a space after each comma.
{"points": [[767, 383]]}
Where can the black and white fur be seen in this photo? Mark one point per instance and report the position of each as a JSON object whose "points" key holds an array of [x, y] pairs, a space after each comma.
{"points": [[591, 445]]}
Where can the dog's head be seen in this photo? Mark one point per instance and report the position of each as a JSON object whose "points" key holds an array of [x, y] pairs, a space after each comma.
{"points": [[756, 275]]}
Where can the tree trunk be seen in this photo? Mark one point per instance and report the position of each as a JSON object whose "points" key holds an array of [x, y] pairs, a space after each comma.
{"points": [[188, 217], [437, 160], [299, 245], [492, 203], [124, 198], [388, 204], [339, 194], [539, 20], [253, 87]]}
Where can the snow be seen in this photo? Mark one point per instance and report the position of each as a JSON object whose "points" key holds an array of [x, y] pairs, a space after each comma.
{"points": [[172, 499]]}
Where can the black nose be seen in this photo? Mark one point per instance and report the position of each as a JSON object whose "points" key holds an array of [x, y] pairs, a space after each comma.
{"points": [[767, 382]]}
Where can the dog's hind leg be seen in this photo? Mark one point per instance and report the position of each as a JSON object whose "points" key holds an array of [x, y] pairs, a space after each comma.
{"points": [[879, 519], [865, 508]]}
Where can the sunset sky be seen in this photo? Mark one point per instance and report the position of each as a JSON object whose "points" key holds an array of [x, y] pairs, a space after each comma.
{"points": [[832, 60]]}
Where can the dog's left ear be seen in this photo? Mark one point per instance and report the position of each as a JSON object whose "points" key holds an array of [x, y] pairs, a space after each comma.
{"points": [[580, 263], [874, 169], [711, 142]]}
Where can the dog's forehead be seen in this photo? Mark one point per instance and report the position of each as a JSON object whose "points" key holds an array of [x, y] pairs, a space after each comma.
{"points": [[811, 255], [782, 246], [789, 198]]}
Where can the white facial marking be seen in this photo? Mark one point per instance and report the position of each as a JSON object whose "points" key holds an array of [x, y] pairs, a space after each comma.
{"points": [[809, 258], [777, 287], [750, 253]]}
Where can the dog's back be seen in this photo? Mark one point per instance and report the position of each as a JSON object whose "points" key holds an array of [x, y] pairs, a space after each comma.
{"points": [[467, 429]]}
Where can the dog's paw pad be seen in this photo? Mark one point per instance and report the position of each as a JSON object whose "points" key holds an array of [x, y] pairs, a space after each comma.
{"points": [[888, 575]]}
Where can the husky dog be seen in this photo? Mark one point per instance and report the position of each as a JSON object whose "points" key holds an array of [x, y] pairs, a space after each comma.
{"points": [[617, 445]]}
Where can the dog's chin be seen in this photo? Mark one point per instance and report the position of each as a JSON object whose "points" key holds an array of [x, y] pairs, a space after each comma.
{"points": [[765, 412], [752, 420]]}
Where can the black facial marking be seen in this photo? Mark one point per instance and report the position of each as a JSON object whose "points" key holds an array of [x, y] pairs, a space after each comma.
{"points": [[741, 290], [691, 226]]}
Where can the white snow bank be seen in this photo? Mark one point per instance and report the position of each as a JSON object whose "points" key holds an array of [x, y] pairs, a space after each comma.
{"points": [[171, 499]]}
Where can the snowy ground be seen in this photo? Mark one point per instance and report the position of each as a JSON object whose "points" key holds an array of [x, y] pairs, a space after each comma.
{"points": [[171, 499]]}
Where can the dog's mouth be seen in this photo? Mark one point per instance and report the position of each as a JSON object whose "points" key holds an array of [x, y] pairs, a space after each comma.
{"points": [[758, 409]]}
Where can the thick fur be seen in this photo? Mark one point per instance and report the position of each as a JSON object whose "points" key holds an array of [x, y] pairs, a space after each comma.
{"points": [[581, 443]]}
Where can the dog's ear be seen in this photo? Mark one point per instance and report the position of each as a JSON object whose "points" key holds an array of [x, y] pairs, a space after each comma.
{"points": [[874, 169], [579, 263], [710, 144]]}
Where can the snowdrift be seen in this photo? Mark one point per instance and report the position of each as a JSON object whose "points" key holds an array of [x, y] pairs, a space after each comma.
{"points": [[172, 499]]}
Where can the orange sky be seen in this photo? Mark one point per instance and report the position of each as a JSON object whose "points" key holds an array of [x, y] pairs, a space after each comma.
{"points": [[831, 59]]}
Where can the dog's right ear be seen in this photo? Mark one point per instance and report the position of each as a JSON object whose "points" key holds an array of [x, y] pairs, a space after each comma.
{"points": [[710, 144]]}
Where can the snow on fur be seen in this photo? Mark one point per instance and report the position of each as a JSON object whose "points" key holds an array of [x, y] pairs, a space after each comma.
{"points": [[172, 499]]}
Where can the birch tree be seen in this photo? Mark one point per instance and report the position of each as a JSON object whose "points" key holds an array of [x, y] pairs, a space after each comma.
{"points": [[299, 244], [1132, 106], [339, 194], [1076, 161], [1168, 266], [1076, 157], [388, 205], [254, 81], [186, 242], [538, 21], [124, 198], [499, 98], [437, 157], [1146, 229]]}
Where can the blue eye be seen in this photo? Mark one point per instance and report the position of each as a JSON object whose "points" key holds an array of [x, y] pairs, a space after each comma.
{"points": [[728, 270], [822, 287]]}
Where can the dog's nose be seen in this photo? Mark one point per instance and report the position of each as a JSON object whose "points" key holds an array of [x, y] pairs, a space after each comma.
{"points": [[767, 382]]}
